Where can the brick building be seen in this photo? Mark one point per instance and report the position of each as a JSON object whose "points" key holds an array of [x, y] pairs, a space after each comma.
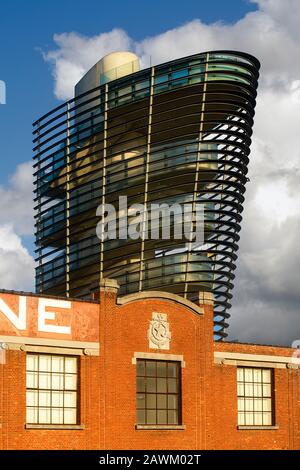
{"points": [[138, 372]]}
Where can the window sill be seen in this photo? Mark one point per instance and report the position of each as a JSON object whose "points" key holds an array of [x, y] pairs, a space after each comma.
{"points": [[75, 427], [166, 427], [257, 428]]}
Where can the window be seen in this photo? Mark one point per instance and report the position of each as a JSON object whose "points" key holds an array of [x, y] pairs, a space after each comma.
{"points": [[255, 397], [158, 392], [51, 389]]}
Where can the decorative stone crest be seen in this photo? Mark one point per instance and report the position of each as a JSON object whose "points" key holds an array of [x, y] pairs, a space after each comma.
{"points": [[159, 333]]}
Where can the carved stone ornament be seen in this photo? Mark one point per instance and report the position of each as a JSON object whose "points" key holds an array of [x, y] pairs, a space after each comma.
{"points": [[159, 333]]}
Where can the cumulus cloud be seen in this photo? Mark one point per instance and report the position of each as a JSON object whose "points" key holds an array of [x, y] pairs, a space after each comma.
{"points": [[17, 265], [16, 221], [16, 206], [272, 33], [76, 54], [266, 298]]}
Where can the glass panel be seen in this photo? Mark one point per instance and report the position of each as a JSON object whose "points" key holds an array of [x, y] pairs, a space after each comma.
{"points": [[257, 375], [267, 404], [267, 419], [151, 401], [179, 74], [70, 416], [70, 382], [151, 385], [140, 368], [258, 404], [266, 390], [31, 398], [162, 401], [241, 419], [45, 363], [241, 390], [57, 398], [161, 369], [57, 364], [151, 417], [240, 374], [258, 421], [125, 90], [241, 404], [70, 399], [248, 390], [44, 380], [44, 398], [161, 385], [32, 415], [172, 417], [172, 402], [151, 368], [160, 79], [142, 85], [172, 370], [248, 375], [141, 416], [141, 402], [266, 374], [57, 415], [257, 390], [248, 404], [248, 419], [44, 415], [197, 70], [58, 381], [71, 365], [162, 417], [140, 384], [172, 385], [32, 362], [31, 380]]}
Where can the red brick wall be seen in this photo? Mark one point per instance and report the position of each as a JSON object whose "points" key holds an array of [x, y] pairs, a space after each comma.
{"points": [[125, 332], [13, 412], [108, 391], [287, 410]]}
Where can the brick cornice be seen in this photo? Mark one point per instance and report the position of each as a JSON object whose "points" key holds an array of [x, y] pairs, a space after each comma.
{"points": [[163, 296]]}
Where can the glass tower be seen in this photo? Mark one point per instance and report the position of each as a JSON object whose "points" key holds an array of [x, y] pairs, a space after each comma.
{"points": [[179, 132]]}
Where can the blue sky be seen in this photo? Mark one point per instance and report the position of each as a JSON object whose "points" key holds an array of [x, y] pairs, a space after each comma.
{"points": [[28, 27]]}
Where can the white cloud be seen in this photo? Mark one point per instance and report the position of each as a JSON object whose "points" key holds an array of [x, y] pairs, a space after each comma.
{"points": [[16, 206], [77, 53], [271, 33], [267, 292], [17, 265], [16, 220]]}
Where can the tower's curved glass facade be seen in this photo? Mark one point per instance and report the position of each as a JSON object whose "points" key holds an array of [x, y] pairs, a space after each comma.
{"points": [[177, 132]]}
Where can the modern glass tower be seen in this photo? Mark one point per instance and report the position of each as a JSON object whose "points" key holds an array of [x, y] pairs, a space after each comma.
{"points": [[178, 132]]}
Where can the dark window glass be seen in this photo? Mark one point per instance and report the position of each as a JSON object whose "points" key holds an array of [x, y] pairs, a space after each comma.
{"points": [[158, 398]]}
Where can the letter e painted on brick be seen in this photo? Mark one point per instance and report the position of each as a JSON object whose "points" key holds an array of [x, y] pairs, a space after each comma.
{"points": [[44, 315]]}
